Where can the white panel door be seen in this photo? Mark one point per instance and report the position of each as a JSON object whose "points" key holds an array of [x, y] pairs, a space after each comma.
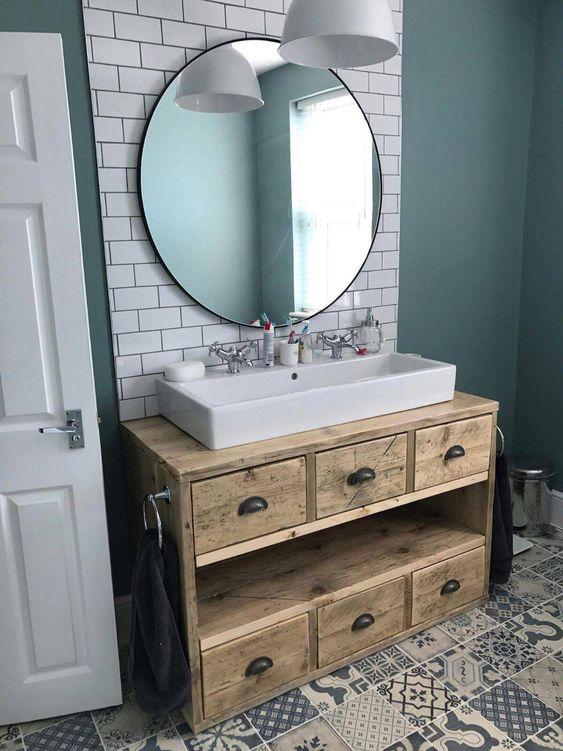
{"points": [[58, 647]]}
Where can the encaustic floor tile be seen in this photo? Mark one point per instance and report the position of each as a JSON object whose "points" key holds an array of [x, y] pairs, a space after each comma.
{"points": [[514, 711], [541, 627], [427, 643], [281, 714], [316, 735], [167, 740], [505, 651], [418, 695], [336, 688], [551, 569], [236, 734], [533, 588], [126, 724], [463, 671], [544, 679], [548, 739], [384, 664], [368, 723], [467, 730], [75, 734], [503, 605], [468, 625], [530, 557]]}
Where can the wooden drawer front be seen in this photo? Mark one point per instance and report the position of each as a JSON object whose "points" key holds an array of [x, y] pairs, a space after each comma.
{"points": [[446, 586], [357, 622], [231, 672], [468, 443], [338, 488], [242, 505]]}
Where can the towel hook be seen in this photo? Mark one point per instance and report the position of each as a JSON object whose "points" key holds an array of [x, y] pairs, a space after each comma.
{"points": [[153, 499], [501, 436]]}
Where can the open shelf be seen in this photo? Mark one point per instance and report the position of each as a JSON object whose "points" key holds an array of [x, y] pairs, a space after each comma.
{"points": [[254, 591]]}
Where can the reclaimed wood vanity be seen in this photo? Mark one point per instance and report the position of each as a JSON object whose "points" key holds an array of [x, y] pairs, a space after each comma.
{"points": [[303, 553]]}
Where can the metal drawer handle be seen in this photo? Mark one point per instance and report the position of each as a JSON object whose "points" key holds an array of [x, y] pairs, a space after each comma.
{"points": [[450, 586], [252, 505], [454, 452], [363, 621], [258, 666], [364, 474]]}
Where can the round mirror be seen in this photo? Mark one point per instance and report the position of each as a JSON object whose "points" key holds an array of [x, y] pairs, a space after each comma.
{"points": [[271, 210]]}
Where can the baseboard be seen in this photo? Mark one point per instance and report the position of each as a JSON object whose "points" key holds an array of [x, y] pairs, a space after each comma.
{"points": [[553, 509], [123, 620]]}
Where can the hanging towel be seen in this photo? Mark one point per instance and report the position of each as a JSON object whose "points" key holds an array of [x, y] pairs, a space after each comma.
{"points": [[501, 547], [158, 669]]}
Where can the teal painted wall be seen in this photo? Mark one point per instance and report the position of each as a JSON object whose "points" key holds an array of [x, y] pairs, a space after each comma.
{"points": [[467, 88], [210, 245], [279, 87], [539, 400], [65, 17]]}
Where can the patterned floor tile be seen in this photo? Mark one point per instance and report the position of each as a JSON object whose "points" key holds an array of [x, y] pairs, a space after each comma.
{"points": [[427, 643], [551, 569], [167, 740], [35, 726], [551, 539], [8, 734], [413, 742], [126, 724], [505, 651], [503, 605], [530, 557], [544, 679], [463, 671], [313, 736], [533, 588], [542, 627], [281, 714], [465, 729], [384, 664], [418, 696], [549, 739], [468, 625], [334, 689], [236, 734], [514, 711], [75, 734], [13, 745], [368, 723]]}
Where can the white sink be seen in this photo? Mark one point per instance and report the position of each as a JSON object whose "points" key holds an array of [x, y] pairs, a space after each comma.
{"points": [[222, 410]]}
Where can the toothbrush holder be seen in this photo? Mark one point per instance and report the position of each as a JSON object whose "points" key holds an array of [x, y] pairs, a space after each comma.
{"points": [[289, 354]]}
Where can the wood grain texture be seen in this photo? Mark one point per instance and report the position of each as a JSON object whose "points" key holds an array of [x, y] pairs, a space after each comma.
{"points": [[427, 600], [186, 459], [235, 597], [224, 668], [336, 636], [216, 503], [292, 533], [386, 456], [431, 468]]}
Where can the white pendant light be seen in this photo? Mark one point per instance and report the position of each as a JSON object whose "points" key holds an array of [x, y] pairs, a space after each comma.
{"points": [[221, 80], [338, 33]]}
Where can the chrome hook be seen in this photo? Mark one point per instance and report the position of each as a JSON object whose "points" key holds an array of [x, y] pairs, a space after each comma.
{"points": [[153, 499], [501, 436]]}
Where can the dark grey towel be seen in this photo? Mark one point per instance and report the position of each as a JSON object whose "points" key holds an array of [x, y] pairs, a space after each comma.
{"points": [[501, 546], [158, 669]]}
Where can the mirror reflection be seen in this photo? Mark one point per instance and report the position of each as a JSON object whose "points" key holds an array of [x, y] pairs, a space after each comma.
{"points": [[267, 211]]}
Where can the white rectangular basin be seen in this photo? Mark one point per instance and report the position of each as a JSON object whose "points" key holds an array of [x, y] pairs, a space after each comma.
{"points": [[222, 410]]}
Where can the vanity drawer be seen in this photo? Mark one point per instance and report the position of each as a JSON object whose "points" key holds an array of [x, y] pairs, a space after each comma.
{"points": [[242, 505], [357, 475], [448, 452], [245, 668], [438, 589], [357, 622]]}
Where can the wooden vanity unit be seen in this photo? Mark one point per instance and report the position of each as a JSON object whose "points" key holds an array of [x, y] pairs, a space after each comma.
{"points": [[303, 553]]}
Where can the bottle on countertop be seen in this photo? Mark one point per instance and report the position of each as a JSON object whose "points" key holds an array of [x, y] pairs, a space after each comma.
{"points": [[269, 359], [371, 333]]}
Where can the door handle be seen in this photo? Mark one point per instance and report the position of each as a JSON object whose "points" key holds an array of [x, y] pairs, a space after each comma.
{"points": [[73, 429]]}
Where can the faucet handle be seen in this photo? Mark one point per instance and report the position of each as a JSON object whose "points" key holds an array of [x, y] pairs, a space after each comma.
{"points": [[213, 348]]}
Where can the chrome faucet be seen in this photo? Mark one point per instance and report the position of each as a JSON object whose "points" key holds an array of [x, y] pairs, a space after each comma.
{"points": [[337, 342], [234, 357]]}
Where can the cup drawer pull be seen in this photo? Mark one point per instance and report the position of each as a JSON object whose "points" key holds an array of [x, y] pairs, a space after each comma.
{"points": [[364, 474], [258, 666], [454, 452], [363, 621], [450, 586], [252, 505]]}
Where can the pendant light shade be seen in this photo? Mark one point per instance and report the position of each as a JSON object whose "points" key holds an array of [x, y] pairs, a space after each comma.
{"points": [[338, 33], [221, 80]]}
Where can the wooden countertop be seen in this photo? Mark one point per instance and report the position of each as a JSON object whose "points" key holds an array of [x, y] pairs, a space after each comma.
{"points": [[186, 459]]}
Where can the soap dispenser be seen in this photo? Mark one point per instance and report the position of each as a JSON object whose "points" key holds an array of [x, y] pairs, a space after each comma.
{"points": [[371, 333]]}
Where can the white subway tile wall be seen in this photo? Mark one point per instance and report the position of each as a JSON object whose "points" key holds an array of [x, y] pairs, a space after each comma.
{"points": [[134, 48]]}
